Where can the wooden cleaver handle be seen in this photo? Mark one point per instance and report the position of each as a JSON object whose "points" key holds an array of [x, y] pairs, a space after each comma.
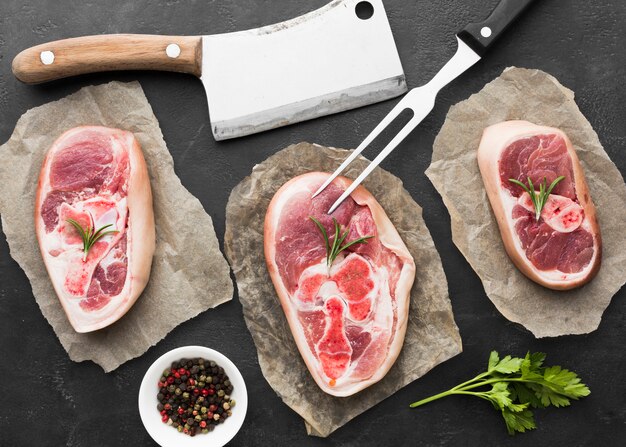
{"points": [[90, 54]]}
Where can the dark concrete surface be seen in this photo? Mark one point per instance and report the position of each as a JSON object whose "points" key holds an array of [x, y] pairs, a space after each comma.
{"points": [[48, 400]]}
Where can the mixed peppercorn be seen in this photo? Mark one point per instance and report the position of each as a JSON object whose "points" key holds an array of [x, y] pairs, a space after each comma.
{"points": [[194, 396]]}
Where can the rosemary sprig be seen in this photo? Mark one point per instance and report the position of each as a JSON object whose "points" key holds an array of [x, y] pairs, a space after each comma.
{"points": [[333, 250], [90, 235], [539, 199]]}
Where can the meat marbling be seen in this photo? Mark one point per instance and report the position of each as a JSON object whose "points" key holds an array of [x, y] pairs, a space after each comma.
{"points": [[95, 173], [562, 249], [348, 321]]}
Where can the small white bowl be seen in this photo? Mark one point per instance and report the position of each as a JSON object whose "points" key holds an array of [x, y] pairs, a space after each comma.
{"points": [[167, 436]]}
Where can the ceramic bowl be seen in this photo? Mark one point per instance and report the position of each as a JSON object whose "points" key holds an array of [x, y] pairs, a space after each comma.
{"points": [[167, 436]]}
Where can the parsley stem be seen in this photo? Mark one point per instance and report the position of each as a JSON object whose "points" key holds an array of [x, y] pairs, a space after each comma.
{"points": [[448, 393], [513, 379], [478, 377]]}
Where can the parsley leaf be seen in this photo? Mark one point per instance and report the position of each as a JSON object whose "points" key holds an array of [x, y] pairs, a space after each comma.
{"points": [[513, 385], [518, 421]]}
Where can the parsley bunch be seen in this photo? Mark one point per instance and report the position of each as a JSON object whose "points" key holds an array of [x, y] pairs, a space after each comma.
{"points": [[515, 385]]}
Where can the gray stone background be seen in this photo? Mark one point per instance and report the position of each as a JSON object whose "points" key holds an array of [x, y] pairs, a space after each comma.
{"points": [[48, 400]]}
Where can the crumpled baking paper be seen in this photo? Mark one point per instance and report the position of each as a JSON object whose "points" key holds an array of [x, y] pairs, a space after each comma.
{"points": [[537, 97], [431, 337], [189, 274]]}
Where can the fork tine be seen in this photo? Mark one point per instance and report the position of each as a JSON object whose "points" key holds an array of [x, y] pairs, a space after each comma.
{"points": [[386, 151], [401, 106]]}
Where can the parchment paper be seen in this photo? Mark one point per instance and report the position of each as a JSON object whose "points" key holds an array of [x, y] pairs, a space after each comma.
{"points": [[189, 274], [537, 97], [432, 335]]}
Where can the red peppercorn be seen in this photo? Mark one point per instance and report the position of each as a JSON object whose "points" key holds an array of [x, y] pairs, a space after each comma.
{"points": [[210, 391], [180, 410], [165, 418], [177, 375], [205, 392], [209, 415], [170, 380], [163, 412], [202, 424], [191, 382], [182, 371], [196, 391], [212, 407], [167, 406]]}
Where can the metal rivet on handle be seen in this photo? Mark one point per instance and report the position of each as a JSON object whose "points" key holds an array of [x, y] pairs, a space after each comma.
{"points": [[172, 50], [47, 57], [485, 31]]}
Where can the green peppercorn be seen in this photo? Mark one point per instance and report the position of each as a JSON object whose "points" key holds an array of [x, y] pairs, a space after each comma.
{"points": [[177, 391], [171, 388], [226, 405], [203, 410], [220, 393], [185, 396], [198, 418], [180, 428], [201, 384], [232, 403]]}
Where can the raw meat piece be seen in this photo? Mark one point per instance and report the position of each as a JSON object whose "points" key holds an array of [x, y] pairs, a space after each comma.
{"points": [[563, 249], [349, 320], [95, 174]]}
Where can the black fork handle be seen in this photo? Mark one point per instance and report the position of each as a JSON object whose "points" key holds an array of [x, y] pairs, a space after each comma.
{"points": [[481, 35]]}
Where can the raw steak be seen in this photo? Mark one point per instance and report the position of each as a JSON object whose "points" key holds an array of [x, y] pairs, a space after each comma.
{"points": [[96, 176], [348, 320], [562, 249]]}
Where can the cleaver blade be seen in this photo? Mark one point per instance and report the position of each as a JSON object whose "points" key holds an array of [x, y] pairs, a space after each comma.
{"points": [[323, 62]]}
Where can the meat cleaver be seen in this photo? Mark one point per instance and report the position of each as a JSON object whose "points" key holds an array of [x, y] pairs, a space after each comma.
{"points": [[336, 58]]}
